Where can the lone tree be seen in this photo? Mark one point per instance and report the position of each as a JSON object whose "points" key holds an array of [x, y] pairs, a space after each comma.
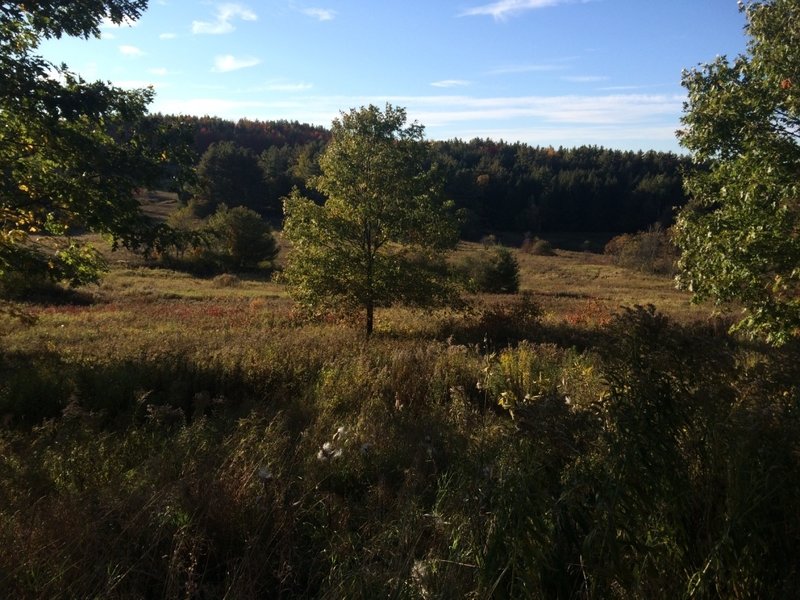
{"points": [[72, 153], [740, 233], [379, 238]]}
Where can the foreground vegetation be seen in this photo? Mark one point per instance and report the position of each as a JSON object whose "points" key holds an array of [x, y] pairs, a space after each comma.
{"points": [[168, 436]]}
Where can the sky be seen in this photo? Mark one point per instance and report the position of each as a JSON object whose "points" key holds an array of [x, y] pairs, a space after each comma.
{"points": [[542, 72]]}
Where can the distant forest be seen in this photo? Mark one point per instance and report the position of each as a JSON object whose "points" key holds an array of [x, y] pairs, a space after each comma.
{"points": [[496, 186]]}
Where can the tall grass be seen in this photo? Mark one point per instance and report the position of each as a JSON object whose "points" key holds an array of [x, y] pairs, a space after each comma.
{"points": [[218, 447]]}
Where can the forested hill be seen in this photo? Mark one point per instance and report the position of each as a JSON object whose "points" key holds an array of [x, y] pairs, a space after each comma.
{"points": [[257, 136], [516, 187], [497, 186]]}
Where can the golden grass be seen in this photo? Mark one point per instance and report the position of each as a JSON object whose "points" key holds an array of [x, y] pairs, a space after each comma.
{"points": [[582, 287]]}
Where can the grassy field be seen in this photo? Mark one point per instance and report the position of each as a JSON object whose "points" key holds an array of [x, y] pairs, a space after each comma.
{"points": [[171, 436]]}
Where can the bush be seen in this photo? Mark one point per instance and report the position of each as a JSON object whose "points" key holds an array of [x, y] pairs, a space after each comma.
{"points": [[651, 251], [537, 247], [494, 271], [227, 280], [241, 238], [497, 324]]}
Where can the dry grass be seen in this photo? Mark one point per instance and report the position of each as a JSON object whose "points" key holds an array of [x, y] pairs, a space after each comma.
{"points": [[171, 437], [571, 286]]}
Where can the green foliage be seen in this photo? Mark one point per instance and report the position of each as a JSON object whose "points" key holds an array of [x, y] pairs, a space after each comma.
{"points": [[495, 186], [494, 270], [498, 186], [496, 324], [72, 153], [230, 174], [187, 445], [738, 236], [672, 480], [379, 237], [241, 237]]}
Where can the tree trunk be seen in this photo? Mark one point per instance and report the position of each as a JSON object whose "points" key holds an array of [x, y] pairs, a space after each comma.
{"points": [[370, 317]]}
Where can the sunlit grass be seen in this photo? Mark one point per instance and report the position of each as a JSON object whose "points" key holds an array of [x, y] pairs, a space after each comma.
{"points": [[166, 435]]}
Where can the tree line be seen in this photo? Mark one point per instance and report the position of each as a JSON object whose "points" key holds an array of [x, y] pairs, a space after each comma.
{"points": [[74, 154], [496, 186]]}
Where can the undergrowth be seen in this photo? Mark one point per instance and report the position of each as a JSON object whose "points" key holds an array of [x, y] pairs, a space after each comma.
{"points": [[256, 457]]}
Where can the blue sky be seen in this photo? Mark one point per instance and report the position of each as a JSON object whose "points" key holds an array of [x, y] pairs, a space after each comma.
{"points": [[543, 72]]}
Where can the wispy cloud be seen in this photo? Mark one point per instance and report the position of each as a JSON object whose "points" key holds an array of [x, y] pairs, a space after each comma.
{"points": [[167, 36], [228, 62], [615, 109], [630, 121], [450, 83], [160, 71], [131, 51], [321, 14], [107, 26], [503, 9], [226, 13]]}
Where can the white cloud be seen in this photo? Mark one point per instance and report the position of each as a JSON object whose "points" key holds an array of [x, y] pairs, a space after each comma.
{"points": [[160, 71], [505, 8], [131, 51], [167, 36], [602, 110], [622, 138], [321, 14], [228, 62], [625, 121], [449, 83], [589, 110], [225, 14]]}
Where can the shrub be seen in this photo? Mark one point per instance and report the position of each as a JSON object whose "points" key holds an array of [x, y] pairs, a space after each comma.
{"points": [[497, 324], [651, 251], [494, 271], [227, 280], [242, 239], [537, 247]]}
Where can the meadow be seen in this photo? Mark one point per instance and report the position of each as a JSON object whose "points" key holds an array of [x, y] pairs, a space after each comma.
{"points": [[595, 436]]}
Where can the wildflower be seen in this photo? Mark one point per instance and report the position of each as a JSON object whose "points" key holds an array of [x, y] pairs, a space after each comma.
{"points": [[422, 578]]}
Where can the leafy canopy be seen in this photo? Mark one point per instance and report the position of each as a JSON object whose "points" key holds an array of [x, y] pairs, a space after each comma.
{"points": [[72, 153], [380, 235], [740, 234], [242, 237], [230, 174]]}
